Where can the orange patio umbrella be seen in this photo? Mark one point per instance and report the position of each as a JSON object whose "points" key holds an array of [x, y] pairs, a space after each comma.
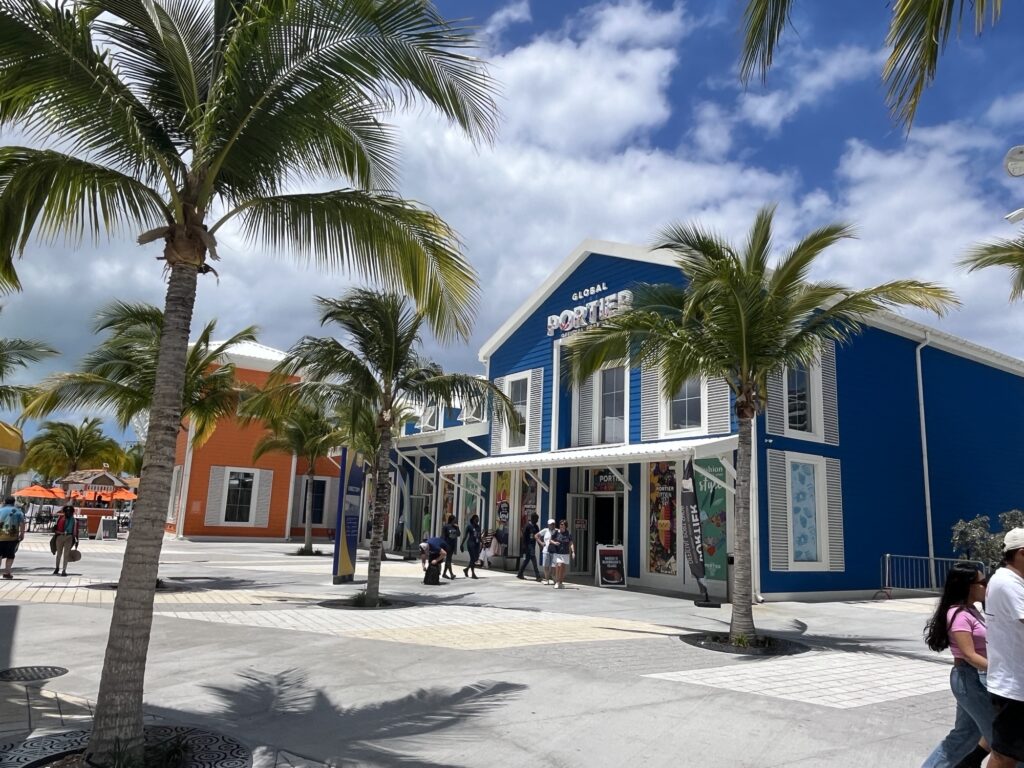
{"points": [[36, 492], [123, 494]]}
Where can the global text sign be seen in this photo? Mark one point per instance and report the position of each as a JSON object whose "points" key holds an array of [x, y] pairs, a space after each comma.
{"points": [[590, 312]]}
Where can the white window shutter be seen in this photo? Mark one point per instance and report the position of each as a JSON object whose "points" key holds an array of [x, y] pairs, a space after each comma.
{"points": [[497, 424], [778, 512], [775, 408], [585, 412], [829, 394], [650, 401], [719, 407], [533, 427], [214, 496], [836, 543], [260, 514]]}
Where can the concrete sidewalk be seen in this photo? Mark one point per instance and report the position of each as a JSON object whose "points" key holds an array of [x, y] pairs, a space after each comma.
{"points": [[495, 670]]}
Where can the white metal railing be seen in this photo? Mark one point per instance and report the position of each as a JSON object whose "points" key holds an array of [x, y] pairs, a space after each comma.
{"points": [[914, 573]]}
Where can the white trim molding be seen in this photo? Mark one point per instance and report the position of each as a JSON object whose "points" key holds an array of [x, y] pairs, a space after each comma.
{"points": [[253, 497]]}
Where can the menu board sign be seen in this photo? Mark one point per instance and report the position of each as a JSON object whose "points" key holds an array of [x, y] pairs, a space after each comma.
{"points": [[611, 566]]}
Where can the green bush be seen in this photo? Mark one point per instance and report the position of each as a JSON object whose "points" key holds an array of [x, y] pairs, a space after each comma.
{"points": [[974, 539]]}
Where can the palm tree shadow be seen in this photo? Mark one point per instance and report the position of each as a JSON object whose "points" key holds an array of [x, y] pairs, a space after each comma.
{"points": [[293, 715]]}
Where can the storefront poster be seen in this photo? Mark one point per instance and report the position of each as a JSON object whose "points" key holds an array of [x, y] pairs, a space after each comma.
{"points": [[604, 481], [527, 500], [502, 497], [447, 503], [662, 555], [711, 501], [347, 521], [611, 566]]}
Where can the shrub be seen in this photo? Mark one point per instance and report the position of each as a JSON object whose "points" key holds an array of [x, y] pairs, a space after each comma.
{"points": [[974, 539]]}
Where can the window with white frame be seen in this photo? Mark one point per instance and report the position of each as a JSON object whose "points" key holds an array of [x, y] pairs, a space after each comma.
{"points": [[319, 495], [473, 411], [803, 401], [518, 390], [684, 411], [612, 405], [239, 496], [807, 511], [429, 420]]}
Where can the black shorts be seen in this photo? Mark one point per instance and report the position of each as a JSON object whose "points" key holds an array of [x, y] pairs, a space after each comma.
{"points": [[8, 548], [1008, 727]]}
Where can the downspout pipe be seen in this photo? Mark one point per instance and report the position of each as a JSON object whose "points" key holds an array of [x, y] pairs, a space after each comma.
{"points": [[924, 459]]}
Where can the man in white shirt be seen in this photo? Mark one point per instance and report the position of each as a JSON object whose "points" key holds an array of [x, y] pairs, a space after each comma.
{"points": [[1004, 611], [544, 539]]}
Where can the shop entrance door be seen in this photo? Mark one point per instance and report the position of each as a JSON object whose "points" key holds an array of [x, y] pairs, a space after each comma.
{"points": [[581, 526], [608, 519]]}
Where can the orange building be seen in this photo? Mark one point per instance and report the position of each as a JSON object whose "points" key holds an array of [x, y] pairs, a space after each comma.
{"points": [[219, 491]]}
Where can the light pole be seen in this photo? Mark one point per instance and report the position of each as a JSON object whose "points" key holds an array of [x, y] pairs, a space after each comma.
{"points": [[1014, 165]]}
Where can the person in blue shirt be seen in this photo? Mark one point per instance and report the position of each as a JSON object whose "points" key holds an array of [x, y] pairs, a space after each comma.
{"points": [[12, 531], [432, 554]]}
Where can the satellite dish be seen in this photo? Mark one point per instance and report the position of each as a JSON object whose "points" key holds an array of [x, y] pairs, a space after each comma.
{"points": [[1014, 161]]}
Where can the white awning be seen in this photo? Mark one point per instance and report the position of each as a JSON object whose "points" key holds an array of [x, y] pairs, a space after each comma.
{"points": [[600, 456]]}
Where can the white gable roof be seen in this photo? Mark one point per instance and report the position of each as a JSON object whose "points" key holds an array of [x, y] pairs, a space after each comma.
{"points": [[252, 356], [561, 272]]}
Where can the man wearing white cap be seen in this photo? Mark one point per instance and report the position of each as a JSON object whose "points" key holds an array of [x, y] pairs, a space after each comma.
{"points": [[1004, 611], [544, 539]]}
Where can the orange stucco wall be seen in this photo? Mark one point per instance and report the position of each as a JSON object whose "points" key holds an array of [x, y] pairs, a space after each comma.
{"points": [[231, 445]]}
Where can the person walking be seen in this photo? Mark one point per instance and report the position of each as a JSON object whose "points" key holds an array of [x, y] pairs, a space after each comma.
{"points": [[1004, 612], [66, 531], [450, 533], [12, 531], [565, 551], [543, 538], [958, 625], [528, 547], [472, 542]]}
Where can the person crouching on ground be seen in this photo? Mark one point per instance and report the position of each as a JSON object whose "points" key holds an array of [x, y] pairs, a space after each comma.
{"points": [[1004, 613], [66, 532], [12, 531], [432, 554], [959, 626], [566, 550]]}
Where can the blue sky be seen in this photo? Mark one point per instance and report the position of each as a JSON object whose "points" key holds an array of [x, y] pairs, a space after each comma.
{"points": [[621, 116]]}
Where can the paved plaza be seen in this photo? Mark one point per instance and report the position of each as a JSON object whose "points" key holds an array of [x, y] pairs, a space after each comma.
{"points": [[495, 671]]}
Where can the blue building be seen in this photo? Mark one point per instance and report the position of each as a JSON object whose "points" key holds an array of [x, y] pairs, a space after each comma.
{"points": [[878, 448]]}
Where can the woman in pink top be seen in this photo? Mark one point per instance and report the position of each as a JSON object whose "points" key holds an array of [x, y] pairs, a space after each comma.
{"points": [[959, 626]]}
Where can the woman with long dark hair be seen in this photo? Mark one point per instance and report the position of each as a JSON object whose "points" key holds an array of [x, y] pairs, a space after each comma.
{"points": [[959, 626], [472, 542]]}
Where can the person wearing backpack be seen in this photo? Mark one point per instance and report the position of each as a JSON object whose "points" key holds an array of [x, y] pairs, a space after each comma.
{"points": [[472, 542], [12, 531], [66, 533], [450, 533], [528, 547]]}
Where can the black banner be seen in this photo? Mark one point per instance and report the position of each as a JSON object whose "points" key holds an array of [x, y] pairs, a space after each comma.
{"points": [[692, 536]]}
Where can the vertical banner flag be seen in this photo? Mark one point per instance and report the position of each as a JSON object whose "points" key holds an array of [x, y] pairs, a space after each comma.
{"points": [[691, 524], [346, 530]]}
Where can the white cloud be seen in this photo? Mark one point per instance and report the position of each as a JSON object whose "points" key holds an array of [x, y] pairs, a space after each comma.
{"points": [[712, 130], [634, 23], [1006, 110], [810, 76], [513, 13]]}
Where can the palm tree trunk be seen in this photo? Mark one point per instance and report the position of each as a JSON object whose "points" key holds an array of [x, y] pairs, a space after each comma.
{"points": [[381, 502], [118, 718], [307, 542], [742, 591]]}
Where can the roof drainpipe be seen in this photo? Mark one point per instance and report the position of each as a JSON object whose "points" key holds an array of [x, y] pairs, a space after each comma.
{"points": [[924, 460]]}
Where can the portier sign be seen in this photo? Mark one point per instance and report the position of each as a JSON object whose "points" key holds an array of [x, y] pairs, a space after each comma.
{"points": [[592, 312]]}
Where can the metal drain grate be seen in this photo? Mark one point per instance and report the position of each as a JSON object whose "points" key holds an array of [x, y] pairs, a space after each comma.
{"points": [[30, 674]]}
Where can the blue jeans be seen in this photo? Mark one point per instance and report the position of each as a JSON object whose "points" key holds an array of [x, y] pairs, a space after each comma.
{"points": [[973, 718]]}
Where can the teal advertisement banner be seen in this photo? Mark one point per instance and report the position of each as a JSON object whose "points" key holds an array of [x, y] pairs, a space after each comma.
{"points": [[711, 501]]}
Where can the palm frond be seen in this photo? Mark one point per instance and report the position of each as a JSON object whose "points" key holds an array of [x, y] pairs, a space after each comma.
{"points": [[918, 33], [52, 193], [764, 21], [1000, 253], [383, 238]]}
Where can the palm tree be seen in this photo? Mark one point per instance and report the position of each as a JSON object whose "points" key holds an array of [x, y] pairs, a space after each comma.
{"points": [[300, 427], [61, 448], [377, 369], [14, 354], [120, 374], [174, 118], [133, 457], [918, 33], [735, 318], [1000, 253]]}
